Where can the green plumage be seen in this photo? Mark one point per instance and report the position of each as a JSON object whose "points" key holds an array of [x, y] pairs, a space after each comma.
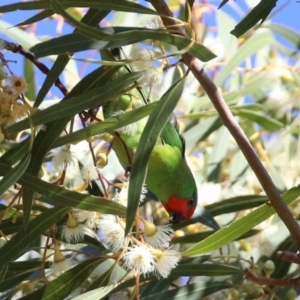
{"points": [[168, 174]]}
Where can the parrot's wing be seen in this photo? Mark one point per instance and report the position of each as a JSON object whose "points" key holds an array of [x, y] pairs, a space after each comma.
{"points": [[170, 135]]}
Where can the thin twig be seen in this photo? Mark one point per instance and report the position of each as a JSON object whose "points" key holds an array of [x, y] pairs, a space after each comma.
{"points": [[15, 48], [289, 256], [230, 122], [272, 281]]}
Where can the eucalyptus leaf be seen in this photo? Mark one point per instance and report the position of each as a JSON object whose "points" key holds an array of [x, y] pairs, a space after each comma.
{"points": [[23, 237], [62, 286], [240, 226], [103, 4], [259, 13], [193, 291]]}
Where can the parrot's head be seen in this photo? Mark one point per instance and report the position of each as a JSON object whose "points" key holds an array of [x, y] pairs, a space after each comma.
{"points": [[181, 209]]}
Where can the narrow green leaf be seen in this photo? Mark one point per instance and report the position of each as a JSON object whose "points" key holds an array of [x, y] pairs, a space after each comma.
{"points": [[96, 294], [236, 204], [222, 3], [193, 291], [211, 269], [23, 6], [3, 273], [181, 42], [250, 47], [52, 76], [218, 154], [10, 226], [200, 236], [13, 155], [84, 29], [109, 5], [30, 92], [65, 197], [13, 280], [259, 13], [73, 43], [153, 128], [240, 226], [287, 33], [44, 14], [154, 286], [92, 18], [270, 124], [108, 125], [35, 227], [102, 280], [66, 283], [14, 174], [19, 266], [118, 37]]}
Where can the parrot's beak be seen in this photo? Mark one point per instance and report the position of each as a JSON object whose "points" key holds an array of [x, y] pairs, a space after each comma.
{"points": [[178, 217]]}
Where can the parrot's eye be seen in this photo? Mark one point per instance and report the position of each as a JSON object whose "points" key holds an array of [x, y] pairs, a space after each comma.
{"points": [[191, 202]]}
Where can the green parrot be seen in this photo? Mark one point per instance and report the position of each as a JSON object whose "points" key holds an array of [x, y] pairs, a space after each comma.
{"points": [[169, 177]]}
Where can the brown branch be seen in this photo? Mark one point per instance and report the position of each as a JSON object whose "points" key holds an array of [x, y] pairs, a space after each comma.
{"points": [[43, 68], [289, 256], [272, 281], [230, 122]]}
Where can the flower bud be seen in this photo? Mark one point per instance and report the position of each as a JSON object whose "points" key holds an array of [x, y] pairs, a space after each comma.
{"points": [[107, 137], [269, 268], [149, 228], [291, 294], [235, 295], [252, 289], [102, 160], [41, 173]]}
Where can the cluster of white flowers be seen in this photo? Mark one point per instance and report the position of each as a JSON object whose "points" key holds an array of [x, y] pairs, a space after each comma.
{"points": [[146, 251], [152, 76], [66, 159]]}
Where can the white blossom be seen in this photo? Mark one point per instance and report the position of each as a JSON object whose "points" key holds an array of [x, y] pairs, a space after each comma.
{"points": [[153, 23], [63, 158], [139, 260], [157, 236], [61, 266], [166, 261], [122, 196], [88, 217], [151, 76], [111, 232], [73, 231], [60, 263], [73, 234], [89, 172]]}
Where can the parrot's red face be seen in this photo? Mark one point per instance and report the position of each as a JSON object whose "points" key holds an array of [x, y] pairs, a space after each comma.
{"points": [[180, 209]]}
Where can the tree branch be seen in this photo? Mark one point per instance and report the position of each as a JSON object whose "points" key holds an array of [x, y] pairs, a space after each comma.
{"points": [[238, 134]]}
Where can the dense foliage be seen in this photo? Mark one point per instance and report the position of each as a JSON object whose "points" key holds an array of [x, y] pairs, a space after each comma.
{"points": [[74, 224]]}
